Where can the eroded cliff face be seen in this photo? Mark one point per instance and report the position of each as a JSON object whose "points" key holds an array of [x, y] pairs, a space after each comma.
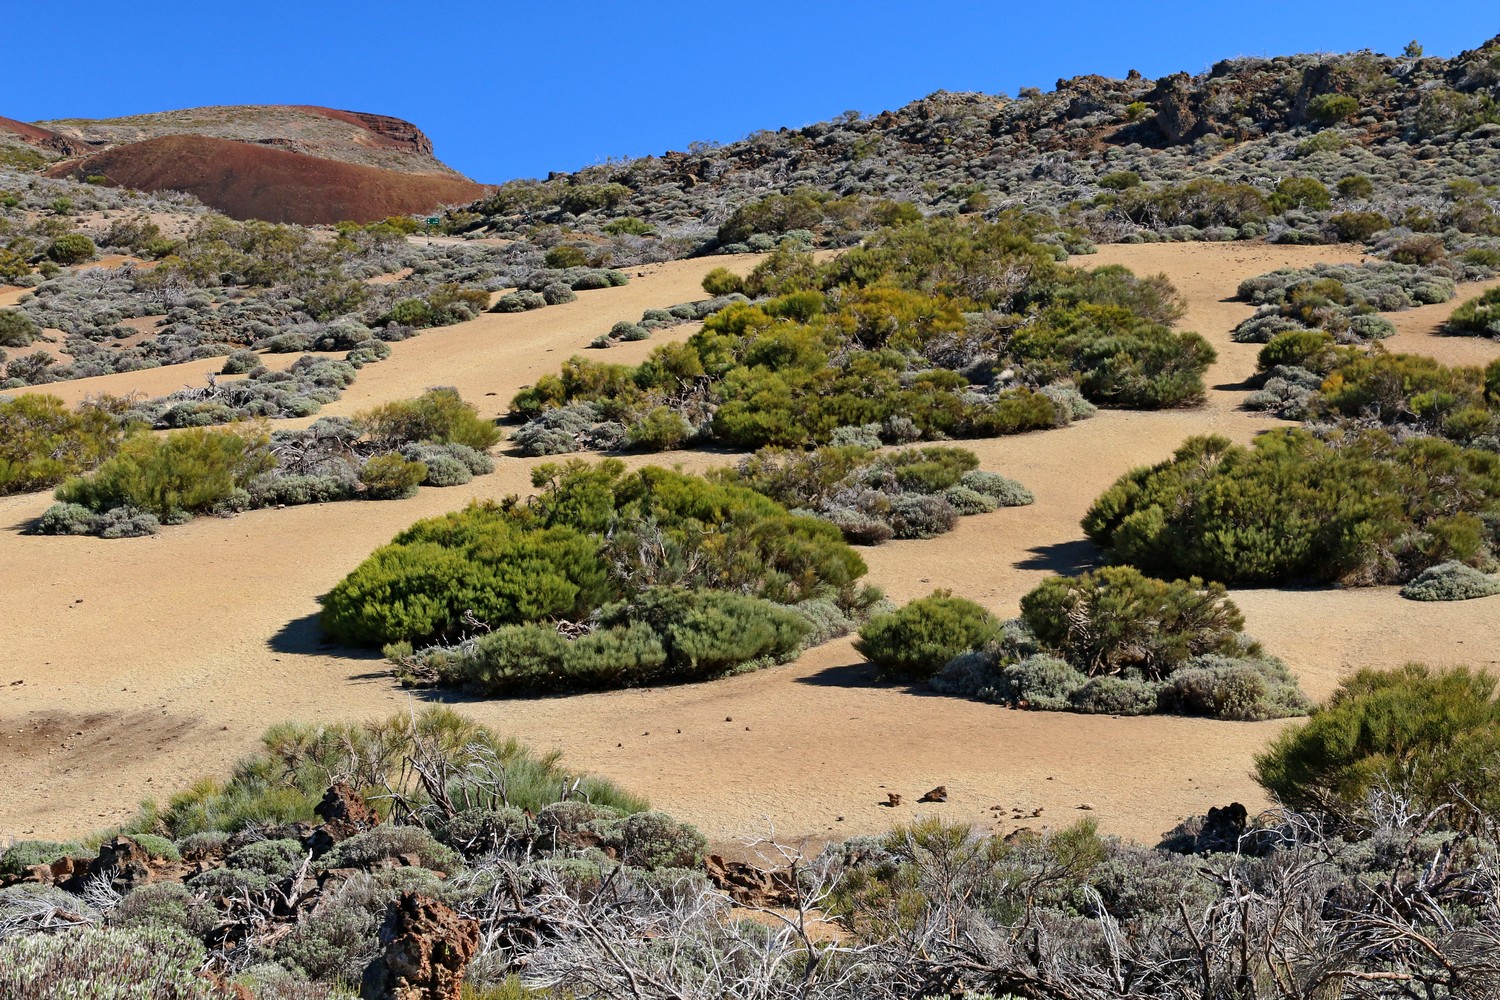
{"points": [[393, 132]]}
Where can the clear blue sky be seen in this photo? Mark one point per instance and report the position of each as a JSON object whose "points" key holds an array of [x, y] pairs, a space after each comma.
{"points": [[515, 89]]}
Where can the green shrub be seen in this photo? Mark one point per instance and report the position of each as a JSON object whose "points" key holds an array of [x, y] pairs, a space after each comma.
{"points": [[722, 281], [71, 248], [1432, 737], [564, 255], [438, 416], [1116, 357], [391, 477], [175, 476], [1359, 509], [660, 429], [1120, 180], [1300, 192], [420, 586], [774, 214], [22, 854], [1355, 186], [1479, 316], [914, 642], [1328, 109], [1313, 350], [43, 442], [1115, 620], [17, 329], [592, 535], [629, 226], [1201, 203], [1358, 227]]}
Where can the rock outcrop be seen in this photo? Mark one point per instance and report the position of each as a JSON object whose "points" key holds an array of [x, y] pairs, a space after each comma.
{"points": [[427, 946]]}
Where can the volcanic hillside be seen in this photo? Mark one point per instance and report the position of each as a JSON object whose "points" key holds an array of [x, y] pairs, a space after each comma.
{"points": [[281, 164], [1411, 123]]}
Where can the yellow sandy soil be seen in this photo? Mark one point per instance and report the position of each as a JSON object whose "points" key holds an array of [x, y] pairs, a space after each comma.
{"points": [[135, 666]]}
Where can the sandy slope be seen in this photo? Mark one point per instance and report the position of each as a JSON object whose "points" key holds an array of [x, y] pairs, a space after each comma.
{"points": [[146, 663]]}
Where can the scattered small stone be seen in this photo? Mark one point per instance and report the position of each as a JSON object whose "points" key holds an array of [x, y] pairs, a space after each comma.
{"points": [[1086, 806], [938, 794], [893, 799]]}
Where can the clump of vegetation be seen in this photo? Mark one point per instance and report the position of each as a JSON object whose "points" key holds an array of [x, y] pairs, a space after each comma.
{"points": [[663, 319], [1355, 507], [603, 579], [872, 497], [108, 964], [937, 329], [1341, 299], [905, 644], [42, 442], [1110, 641], [1451, 581], [384, 454], [1424, 737], [1306, 376], [284, 781], [172, 478], [1478, 317]]}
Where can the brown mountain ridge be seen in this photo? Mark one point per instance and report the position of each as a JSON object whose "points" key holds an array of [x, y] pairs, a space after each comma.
{"points": [[278, 163]]}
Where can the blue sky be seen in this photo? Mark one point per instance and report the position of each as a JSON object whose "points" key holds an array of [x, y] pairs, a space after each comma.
{"points": [[513, 89]]}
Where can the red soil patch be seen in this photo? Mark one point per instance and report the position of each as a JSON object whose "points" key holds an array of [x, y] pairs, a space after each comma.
{"points": [[249, 181]]}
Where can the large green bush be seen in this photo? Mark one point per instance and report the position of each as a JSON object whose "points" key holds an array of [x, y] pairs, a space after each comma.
{"points": [[1118, 643], [173, 476], [914, 642], [1358, 508], [1115, 620], [593, 535], [72, 248], [1430, 737], [43, 442], [664, 635], [17, 329], [477, 561]]}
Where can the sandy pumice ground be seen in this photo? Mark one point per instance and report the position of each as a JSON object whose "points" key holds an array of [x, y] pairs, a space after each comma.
{"points": [[136, 666]]}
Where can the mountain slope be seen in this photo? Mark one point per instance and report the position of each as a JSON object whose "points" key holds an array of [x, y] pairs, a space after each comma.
{"points": [[278, 163], [249, 181], [1409, 124]]}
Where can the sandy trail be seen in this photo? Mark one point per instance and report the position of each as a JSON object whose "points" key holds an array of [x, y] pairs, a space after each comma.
{"points": [[219, 639]]}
